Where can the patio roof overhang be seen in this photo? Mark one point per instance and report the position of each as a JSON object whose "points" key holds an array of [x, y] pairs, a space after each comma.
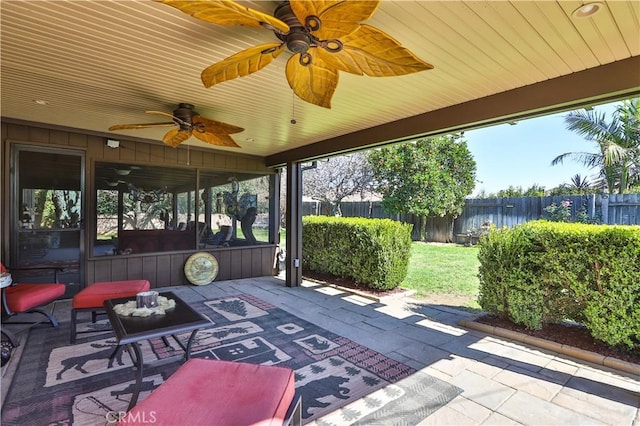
{"points": [[95, 64], [593, 86]]}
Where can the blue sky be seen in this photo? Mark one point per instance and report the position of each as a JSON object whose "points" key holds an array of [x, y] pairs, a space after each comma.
{"points": [[521, 154]]}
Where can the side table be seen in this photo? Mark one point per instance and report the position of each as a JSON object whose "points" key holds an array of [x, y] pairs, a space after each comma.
{"points": [[131, 330]]}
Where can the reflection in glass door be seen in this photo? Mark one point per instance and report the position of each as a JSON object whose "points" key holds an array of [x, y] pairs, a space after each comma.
{"points": [[47, 227]]}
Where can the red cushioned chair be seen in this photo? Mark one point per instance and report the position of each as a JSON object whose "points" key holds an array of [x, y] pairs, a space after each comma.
{"points": [[207, 391], [28, 297], [92, 298]]}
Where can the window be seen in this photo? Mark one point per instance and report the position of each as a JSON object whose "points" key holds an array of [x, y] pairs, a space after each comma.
{"points": [[143, 209]]}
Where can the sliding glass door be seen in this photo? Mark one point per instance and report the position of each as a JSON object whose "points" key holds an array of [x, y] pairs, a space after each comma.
{"points": [[47, 214]]}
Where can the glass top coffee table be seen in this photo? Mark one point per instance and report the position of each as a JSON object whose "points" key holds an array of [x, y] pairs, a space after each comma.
{"points": [[131, 330]]}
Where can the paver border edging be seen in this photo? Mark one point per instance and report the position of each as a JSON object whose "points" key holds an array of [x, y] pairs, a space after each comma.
{"points": [[572, 351]]}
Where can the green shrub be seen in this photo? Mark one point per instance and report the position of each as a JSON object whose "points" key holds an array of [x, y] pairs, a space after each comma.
{"points": [[374, 252], [509, 285], [543, 272]]}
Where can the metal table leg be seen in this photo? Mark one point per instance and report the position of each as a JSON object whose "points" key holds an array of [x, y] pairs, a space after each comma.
{"points": [[139, 365], [187, 351]]}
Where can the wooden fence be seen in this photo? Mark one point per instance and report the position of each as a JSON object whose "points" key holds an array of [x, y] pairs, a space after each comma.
{"points": [[612, 209]]}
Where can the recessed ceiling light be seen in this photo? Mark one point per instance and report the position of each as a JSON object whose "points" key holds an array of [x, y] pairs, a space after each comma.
{"points": [[41, 102], [249, 139], [587, 10]]}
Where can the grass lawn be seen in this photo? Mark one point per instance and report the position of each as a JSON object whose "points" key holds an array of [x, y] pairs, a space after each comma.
{"points": [[444, 273]]}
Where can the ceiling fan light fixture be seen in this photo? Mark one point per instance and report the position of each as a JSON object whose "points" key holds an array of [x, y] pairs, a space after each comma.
{"points": [[587, 10]]}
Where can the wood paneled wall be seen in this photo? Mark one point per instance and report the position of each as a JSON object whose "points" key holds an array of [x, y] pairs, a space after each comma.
{"points": [[161, 269], [132, 150], [167, 269]]}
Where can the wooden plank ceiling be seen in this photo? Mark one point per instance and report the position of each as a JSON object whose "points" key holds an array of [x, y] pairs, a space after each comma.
{"points": [[100, 63]]}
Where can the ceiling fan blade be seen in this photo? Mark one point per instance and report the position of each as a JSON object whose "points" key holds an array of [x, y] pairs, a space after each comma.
{"points": [[140, 126], [374, 53], [338, 17], [241, 64], [314, 83], [216, 139], [213, 126], [226, 12], [175, 137], [176, 119]]}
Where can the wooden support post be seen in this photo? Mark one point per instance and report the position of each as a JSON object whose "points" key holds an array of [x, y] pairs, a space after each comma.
{"points": [[294, 225], [274, 208]]}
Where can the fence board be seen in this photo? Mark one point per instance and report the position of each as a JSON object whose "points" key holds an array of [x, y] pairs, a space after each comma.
{"points": [[612, 209], [624, 209]]}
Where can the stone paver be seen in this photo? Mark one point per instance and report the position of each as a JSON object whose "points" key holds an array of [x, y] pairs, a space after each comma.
{"points": [[496, 419], [489, 367], [425, 335], [347, 316], [423, 354], [453, 364], [605, 403], [529, 410], [447, 416], [384, 342], [470, 409], [481, 390], [529, 382]]}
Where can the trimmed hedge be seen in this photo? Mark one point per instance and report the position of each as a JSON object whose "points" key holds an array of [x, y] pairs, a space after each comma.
{"points": [[542, 272], [374, 252]]}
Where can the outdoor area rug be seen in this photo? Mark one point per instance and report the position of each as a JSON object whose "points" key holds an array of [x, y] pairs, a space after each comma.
{"points": [[340, 381]]}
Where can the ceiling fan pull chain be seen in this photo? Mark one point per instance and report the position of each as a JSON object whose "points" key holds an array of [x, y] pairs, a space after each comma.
{"points": [[293, 108]]}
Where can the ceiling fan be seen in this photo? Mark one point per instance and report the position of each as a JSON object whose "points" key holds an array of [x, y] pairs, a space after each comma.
{"points": [[325, 37], [189, 123]]}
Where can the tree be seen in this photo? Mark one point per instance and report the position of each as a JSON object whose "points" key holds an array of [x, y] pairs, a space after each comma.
{"points": [[516, 191], [618, 141], [429, 178], [579, 185], [340, 177], [579, 182]]}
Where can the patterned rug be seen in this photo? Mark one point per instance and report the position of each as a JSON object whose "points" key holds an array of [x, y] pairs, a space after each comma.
{"points": [[340, 381]]}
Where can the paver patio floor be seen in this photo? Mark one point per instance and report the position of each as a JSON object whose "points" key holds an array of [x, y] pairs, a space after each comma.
{"points": [[503, 382]]}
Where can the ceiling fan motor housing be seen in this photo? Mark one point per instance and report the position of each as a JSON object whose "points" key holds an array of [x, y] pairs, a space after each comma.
{"points": [[184, 112], [298, 39]]}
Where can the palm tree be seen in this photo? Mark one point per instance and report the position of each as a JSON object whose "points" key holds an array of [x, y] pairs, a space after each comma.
{"points": [[618, 141], [580, 183]]}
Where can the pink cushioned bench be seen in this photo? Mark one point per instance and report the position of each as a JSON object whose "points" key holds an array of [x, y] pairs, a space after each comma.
{"points": [[212, 392], [25, 297], [92, 298]]}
